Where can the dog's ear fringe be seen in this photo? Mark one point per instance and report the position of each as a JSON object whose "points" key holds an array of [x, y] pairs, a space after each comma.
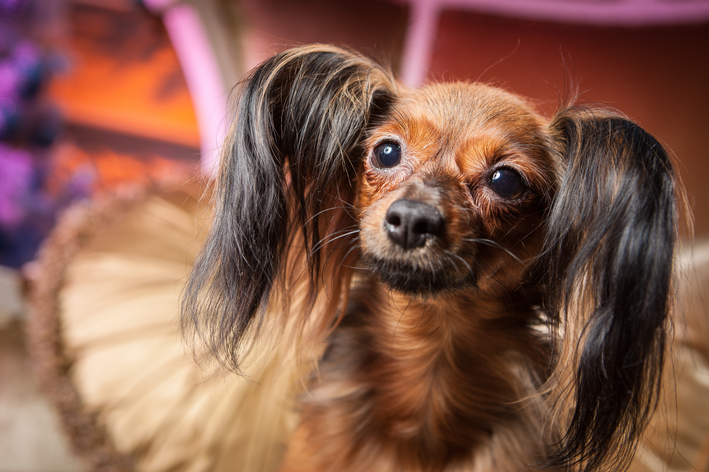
{"points": [[608, 265], [286, 179]]}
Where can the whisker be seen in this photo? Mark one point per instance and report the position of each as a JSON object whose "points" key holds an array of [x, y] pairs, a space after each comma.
{"points": [[470, 269], [330, 238], [325, 210], [346, 255], [492, 243]]}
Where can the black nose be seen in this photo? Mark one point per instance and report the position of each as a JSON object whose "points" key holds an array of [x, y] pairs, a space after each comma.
{"points": [[410, 223]]}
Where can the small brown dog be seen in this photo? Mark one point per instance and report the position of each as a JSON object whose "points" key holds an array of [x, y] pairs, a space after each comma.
{"points": [[493, 286]]}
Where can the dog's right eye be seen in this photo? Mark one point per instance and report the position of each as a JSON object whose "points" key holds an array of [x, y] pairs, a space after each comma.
{"points": [[507, 183], [386, 155]]}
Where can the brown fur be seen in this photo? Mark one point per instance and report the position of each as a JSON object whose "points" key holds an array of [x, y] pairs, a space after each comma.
{"points": [[422, 383], [494, 341]]}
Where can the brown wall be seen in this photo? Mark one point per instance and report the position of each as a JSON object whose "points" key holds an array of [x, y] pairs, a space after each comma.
{"points": [[373, 27], [657, 76]]}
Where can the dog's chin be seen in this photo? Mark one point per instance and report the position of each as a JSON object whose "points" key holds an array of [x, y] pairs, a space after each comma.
{"points": [[411, 280]]}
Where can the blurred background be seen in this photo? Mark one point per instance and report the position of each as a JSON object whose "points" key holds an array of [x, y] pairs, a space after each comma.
{"points": [[95, 94]]}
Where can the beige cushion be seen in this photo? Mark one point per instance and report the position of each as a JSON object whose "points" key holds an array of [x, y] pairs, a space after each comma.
{"points": [[132, 397], [678, 439]]}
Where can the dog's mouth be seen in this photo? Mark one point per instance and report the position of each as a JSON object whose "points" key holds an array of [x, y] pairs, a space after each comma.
{"points": [[415, 279]]}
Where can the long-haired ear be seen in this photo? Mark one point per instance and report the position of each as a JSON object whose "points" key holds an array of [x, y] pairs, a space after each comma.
{"points": [[287, 176], [608, 260]]}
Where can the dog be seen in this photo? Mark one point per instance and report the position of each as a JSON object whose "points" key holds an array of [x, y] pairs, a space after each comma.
{"points": [[490, 289]]}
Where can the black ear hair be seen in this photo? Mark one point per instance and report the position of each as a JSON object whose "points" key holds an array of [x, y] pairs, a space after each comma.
{"points": [[288, 170], [609, 264]]}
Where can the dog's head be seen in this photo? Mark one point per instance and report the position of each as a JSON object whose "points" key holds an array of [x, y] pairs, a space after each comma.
{"points": [[455, 185], [332, 167]]}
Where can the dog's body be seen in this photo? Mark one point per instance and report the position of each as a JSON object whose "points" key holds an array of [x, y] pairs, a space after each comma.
{"points": [[493, 287], [413, 385]]}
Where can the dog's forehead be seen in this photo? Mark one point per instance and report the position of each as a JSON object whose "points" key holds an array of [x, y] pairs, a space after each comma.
{"points": [[461, 105], [466, 105]]}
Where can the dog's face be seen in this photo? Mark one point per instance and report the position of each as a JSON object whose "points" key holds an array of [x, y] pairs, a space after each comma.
{"points": [[455, 184]]}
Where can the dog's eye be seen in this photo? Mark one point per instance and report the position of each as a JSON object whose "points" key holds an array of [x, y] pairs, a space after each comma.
{"points": [[507, 183], [386, 155]]}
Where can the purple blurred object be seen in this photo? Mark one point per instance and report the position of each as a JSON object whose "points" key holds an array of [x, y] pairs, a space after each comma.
{"points": [[28, 125], [9, 118], [16, 176], [13, 7], [25, 118], [28, 209], [22, 71]]}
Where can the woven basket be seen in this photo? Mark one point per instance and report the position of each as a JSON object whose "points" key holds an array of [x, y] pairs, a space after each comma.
{"points": [[106, 346]]}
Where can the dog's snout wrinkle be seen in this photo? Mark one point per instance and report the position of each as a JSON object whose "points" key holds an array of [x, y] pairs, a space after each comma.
{"points": [[409, 223]]}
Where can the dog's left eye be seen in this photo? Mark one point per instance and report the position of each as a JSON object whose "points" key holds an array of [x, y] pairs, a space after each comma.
{"points": [[386, 155], [507, 183]]}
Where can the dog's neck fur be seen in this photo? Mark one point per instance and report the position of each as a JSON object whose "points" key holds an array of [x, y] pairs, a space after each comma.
{"points": [[425, 383]]}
